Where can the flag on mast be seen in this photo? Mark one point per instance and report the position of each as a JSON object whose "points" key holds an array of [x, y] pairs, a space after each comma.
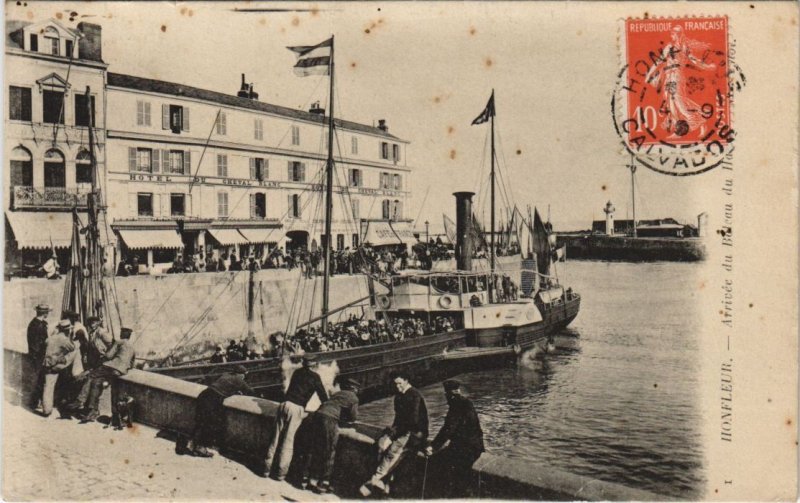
{"points": [[487, 112], [313, 59]]}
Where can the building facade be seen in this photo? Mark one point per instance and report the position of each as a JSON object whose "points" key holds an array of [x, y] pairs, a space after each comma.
{"points": [[183, 170], [49, 69]]}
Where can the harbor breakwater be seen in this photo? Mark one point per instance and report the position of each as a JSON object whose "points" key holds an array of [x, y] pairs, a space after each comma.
{"points": [[629, 249], [168, 404], [194, 311]]}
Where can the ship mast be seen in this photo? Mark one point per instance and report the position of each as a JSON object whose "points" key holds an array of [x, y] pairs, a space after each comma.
{"points": [[328, 205], [491, 254]]}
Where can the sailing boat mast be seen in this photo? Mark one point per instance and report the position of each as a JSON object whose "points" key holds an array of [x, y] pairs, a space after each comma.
{"points": [[328, 205], [491, 253]]}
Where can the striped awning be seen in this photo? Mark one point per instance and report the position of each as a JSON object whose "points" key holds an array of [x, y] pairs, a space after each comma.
{"points": [[138, 239], [262, 235], [228, 237], [37, 230]]}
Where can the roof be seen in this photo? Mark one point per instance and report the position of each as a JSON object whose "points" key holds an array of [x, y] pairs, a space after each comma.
{"points": [[12, 27], [174, 89]]}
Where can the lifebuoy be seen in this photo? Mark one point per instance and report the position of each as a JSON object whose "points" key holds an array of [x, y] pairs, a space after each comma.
{"points": [[384, 302], [445, 301]]}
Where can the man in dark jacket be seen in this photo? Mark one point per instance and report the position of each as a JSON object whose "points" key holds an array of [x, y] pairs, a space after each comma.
{"points": [[37, 343], [341, 408], [119, 359], [304, 383], [209, 418], [458, 444], [407, 434]]}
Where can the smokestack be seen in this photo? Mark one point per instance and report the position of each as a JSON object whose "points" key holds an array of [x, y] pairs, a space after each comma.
{"points": [[253, 94], [244, 90], [464, 230], [316, 109], [382, 125]]}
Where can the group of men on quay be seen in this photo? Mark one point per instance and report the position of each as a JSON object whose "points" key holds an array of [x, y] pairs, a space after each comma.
{"points": [[71, 364]]}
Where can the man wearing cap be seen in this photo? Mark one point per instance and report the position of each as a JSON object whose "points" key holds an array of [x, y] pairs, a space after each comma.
{"points": [[119, 359], [304, 383], [458, 444], [341, 407], [408, 432], [37, 344], [60, 354], [100, 341], [209, 418]]}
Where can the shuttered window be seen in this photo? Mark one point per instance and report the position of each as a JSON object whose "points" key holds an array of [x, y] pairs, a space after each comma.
{"points": [[222, 124], [19, 101], [222, 165], [259, 129], [354, 145], [259, 169], [386, 210], [297, 171], [398, 182], [222, 204], [396, 152], [294, 206], [356, 212], [143, 113], [295, 135]]}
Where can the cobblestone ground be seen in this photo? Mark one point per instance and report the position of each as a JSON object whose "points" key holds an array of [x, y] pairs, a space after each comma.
{"points": [[58, 459]]}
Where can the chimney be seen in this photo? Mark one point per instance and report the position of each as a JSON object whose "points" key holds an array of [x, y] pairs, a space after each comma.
{"points": [[244, 90], [253, 94], [90, 45], [316, 109], [382, 125], [464, 230]]}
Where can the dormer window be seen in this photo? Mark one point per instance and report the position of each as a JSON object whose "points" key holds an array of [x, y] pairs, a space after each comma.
{"points": [[53, 41]]}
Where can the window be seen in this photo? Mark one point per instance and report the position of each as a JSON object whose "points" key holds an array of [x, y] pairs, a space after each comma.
{"points": [[396, 152], [356, 212], [21, 167], [340, 241], [384, 150], [83, 167], [34, 42], [398, 182], [222, 165], [222, 204], [54, 46], [355, 178], [355, 241], [259, 129], [179, 162], [222, 124], [386, 180], [386, 209], [177, 205], [258, 205], [354, 145], [145, 204], [19, 102], [81, 111], [294, 205], [397, 210], [175, 118], [69, 48], [52, 107], [258, 169], [144, 160], [297, 171], [142, 113], [295, 135]]}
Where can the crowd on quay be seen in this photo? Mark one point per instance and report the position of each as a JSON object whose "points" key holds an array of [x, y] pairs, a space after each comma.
{"points": [[366, 259], [70, 364]]}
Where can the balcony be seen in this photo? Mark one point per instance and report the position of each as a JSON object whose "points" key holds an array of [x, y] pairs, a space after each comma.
{"points": [[49, 197]]}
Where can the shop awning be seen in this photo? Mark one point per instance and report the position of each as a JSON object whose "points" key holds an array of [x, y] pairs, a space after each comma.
{"points": [[228, 237], [262, 235], [379, 234], [137, 239], [404, 232], [38, 229]]}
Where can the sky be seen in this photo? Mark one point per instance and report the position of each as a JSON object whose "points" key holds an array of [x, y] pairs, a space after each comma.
{"points": [[428, 69]]}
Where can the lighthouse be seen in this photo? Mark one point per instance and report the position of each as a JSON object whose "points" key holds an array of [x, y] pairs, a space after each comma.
{"points": [[609, 211]]}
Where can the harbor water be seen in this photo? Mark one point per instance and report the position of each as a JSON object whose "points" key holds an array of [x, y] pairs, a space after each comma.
{"points": [[622, 404]]}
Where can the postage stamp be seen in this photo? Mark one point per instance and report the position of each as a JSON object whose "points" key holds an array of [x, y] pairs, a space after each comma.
{"points": [[673, 100]]}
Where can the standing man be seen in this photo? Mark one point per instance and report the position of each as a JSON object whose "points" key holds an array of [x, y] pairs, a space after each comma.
{"points": [[407, 434], [209, 419], [305, 382], [37, 345], [458, 444], [119, 359], [59, 356], [342, 407]]}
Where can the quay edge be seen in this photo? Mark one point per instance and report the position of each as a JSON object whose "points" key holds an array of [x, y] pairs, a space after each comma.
{"points": [[629, 249]]}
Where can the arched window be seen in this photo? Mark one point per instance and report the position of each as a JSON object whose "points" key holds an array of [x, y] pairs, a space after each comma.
{"points": [[55, 174], [83, 167], [53, 41], [21, 167]]}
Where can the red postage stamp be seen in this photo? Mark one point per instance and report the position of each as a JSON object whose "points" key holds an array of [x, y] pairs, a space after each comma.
{"points": [[674, 93]]}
